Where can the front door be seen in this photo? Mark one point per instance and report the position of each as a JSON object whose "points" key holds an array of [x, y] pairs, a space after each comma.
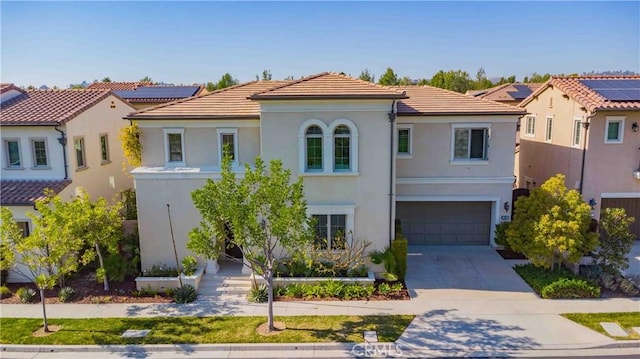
{"points": [[231, 250]]}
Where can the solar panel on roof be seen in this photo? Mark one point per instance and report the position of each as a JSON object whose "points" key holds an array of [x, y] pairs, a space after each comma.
{"points": [[615, 90], [159, 92]]}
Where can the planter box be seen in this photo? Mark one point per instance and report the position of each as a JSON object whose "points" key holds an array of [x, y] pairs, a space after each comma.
{"points": [[162, 283], [285, 281]]}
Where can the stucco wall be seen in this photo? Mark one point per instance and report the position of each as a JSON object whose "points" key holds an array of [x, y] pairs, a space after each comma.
{"points": [[55, 170], [20, 273]]}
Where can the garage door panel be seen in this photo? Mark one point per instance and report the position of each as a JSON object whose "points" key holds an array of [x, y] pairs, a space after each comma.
{"points": [[445, 222]]}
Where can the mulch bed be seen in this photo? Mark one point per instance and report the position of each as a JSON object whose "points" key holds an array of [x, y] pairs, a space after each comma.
{"points": [[509, 254], [90, 291]]}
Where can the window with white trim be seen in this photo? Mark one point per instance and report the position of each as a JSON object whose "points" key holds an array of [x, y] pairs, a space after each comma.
{"points": [[577, 132], [12, 147], [78, 147], [330, 230], [530, 126], [548, 135], [227, 144], [405, 143], [104, 148], [614, 129], [342, 148], [174, 147], [313, 148], [470, 143]]}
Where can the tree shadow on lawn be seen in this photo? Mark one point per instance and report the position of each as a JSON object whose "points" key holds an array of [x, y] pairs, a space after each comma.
{"points": [[450, 334]]}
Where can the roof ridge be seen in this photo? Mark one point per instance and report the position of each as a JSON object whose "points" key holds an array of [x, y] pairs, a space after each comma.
{"points": [[292, 82], [369, 83], [461, 95], [493, 89]]}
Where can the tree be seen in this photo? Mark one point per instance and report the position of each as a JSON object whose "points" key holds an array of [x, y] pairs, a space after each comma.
{"points": [[211, 86], [265, 213], [106, 79], [405, 81], [146, 79], [366, 75], [266, 75], [226, 81], [10, 234], [389, 78], [536, 77], [616, 240], [458, 81], [100, 226], [482, 82], [552, 225]]}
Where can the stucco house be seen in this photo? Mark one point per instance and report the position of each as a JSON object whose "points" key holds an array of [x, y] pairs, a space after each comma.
{"points": [[60, 140], [440, 161], [145, 94], [586, 128], [509, 93]]}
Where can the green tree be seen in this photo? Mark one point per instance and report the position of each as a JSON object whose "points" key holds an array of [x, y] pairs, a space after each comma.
{"points": [[211, 86], [458, 81], [10, 235], [265, 213], [405, 81], [106, 79], [389, 78], [482, 82], [616, 240], [99, 224], [367, 75], [552, 225], [536, 77], [226, 81], [146, 79], [266, 75]]}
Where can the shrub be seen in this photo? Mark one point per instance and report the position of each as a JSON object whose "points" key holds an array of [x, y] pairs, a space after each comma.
{"points": [[189, 265], [258, 294], [592, 273], [169, 292], [314, 291], [400, 248], [161, 271], [185, 294], [628, 287], [295, 290], [384, 288], [616, 240], [610, 282], [116, 266], [501, 234], [66, 294], [333, 288], [26, 295], [396, 288], [360, 271], [388, 261], [565, 288], [5, 292]]}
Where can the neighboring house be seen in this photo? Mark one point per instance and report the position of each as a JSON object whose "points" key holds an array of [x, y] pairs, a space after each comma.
{"points": [[144, 94], [586, 128], [9, 91], [60, 140], [440, 161], [510, 94]]}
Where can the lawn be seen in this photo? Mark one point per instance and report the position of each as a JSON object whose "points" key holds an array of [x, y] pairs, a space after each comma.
{"points": [[196, 330], [626, 320]]}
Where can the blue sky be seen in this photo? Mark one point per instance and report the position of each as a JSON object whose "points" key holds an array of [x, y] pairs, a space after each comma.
{"points": [[58, 43]]}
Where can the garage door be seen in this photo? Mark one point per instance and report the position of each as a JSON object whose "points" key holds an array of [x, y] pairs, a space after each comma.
{"points": [[630, 205], [445, 222]]}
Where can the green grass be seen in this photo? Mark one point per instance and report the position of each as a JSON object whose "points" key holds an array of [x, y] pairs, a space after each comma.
{"points": [[626, 320], [196, 330]]}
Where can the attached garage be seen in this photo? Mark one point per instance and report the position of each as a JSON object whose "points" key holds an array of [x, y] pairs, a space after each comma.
{"points": [[445, 222], [630, 205]]}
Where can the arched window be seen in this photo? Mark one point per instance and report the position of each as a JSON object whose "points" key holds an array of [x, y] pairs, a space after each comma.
{"points": [[342, 148], [313, 147]]}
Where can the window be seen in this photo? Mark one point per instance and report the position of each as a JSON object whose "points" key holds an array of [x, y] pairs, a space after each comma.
{"points": [[313, 147], [24, 227], [470, 144], [228, 143], [614, 129], [341, 148], [404, 140], [174, 146], [39, 153], [78, 145], [530, 128], [330, 230], [13, 153], [577, 131], [548, 134], [104, 148], [529, 183]]}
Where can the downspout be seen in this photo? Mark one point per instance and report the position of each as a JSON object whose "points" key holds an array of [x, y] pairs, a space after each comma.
{"points": [[62, 140], [392, 118], [584, 149]]}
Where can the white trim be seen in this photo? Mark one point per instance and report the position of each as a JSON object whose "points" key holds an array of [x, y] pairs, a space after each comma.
{"points": [[204, 123], [165, 133], [404, 126], [329, 105], [353, 144], [531, 118], [611, 119], [5, 149], [84, 153], [620, 195], [454, 180], [548, 133], [574, 126], [468, 161], [302, 148], [453, 198], [166, 173], [32, 141], [329, 174], [458, 119], [228, 131]]}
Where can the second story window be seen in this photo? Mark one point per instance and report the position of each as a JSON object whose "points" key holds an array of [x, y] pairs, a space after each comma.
{"points": [[342, 148], [39, 153], [470, 144], [228, 143], [614, 129], [12, 146], [313, 148], [78, 145], [104, 148], [577, 132], [548, 136], [530, 126], [404, 140], [174, 146]]}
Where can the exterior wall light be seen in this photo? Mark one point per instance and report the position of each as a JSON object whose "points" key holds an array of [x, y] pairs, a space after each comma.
{"points": [[506, 206], [635, 127], [592, 203]]}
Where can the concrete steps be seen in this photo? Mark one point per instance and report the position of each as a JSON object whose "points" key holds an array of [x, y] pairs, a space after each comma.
{"points": [[228, 284]]}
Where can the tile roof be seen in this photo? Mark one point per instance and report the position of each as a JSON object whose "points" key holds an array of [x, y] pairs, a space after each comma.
{"points": [[428, 100], [6, 87], [26, 192], [151, 94], [584, 95], [328, 85], [117, 86], [48, 107], [230, 102], [511, 92]]}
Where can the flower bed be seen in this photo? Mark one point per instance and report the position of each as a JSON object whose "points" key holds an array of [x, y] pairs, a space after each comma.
{"points": [[285, 281], [160, 284]]}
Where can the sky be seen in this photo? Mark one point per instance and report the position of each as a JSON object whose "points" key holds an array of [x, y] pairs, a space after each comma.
{"points": [[60, 43]]}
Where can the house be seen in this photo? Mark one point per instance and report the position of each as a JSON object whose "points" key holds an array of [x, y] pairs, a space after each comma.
{"points": [[439, 161], [144, 94], [60, 140], [586, 128], [509, 93]]}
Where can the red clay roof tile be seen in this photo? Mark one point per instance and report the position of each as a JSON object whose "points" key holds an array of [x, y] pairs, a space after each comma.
{"points": [[26, 192]]}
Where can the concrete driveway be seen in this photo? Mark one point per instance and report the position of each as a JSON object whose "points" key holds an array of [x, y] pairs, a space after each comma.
{"points": [[634, 260], [471, 271]]}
